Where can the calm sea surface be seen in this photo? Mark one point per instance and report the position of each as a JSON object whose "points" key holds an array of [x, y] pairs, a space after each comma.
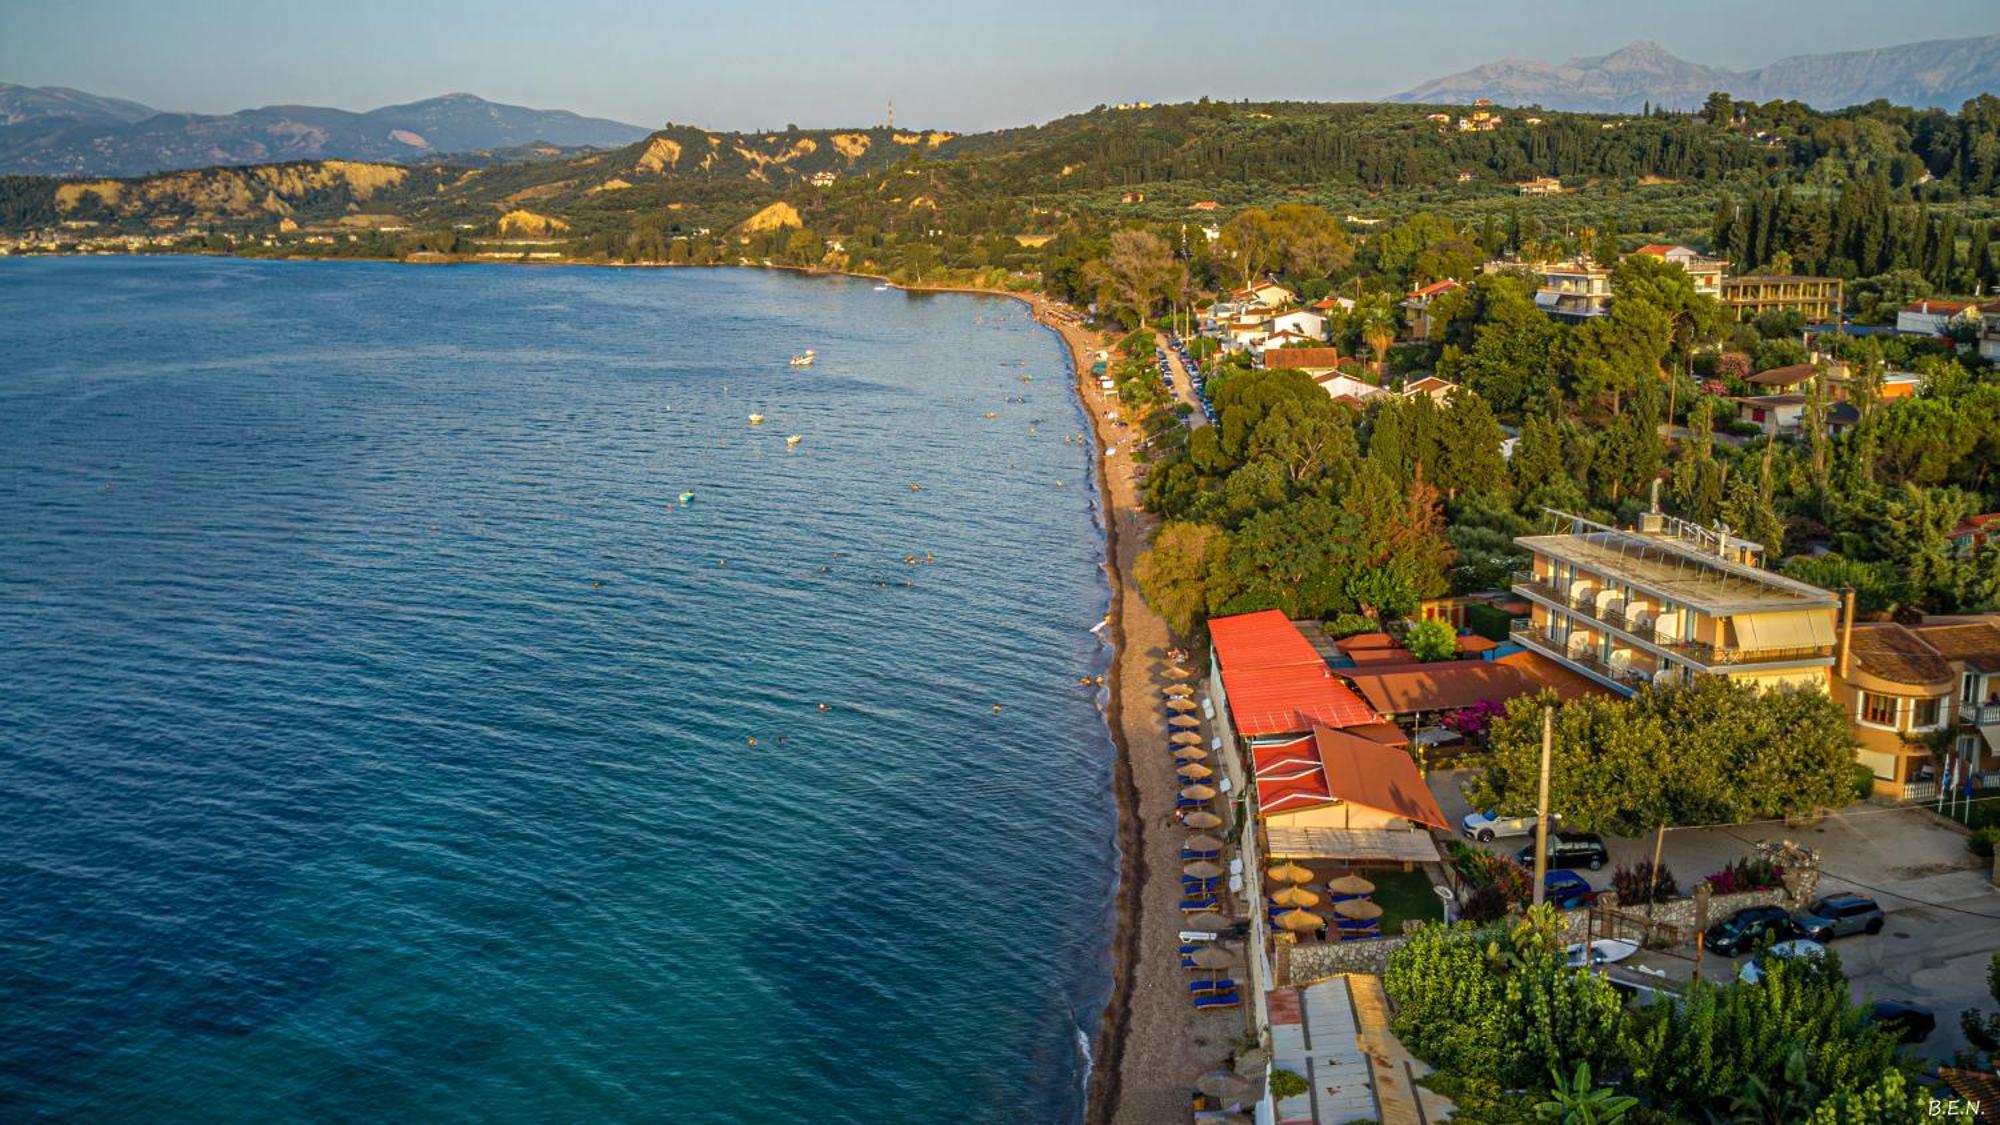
{"points": [[376, 726]]}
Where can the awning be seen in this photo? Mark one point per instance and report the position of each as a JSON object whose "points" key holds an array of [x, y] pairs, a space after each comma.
{"points": [[1388, 845], [1783, 630]]}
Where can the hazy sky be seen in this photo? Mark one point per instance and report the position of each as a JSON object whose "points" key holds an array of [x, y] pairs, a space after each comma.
{"points": [[947, 63]]}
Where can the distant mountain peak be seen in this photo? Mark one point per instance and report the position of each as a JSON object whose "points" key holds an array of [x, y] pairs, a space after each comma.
{"points": [[1942, 72]]}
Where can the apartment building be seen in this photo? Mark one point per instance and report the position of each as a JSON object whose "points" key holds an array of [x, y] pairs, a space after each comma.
{"points": [[1924, 702], [1574, 290], [1668, 602], [1819, 299]]}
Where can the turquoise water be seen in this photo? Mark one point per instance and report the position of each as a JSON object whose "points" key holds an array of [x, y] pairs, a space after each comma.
{"points": [[375, 725]]}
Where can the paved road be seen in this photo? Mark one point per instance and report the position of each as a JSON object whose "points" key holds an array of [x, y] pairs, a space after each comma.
{"points": [[1943, 912], [1183, 385]]}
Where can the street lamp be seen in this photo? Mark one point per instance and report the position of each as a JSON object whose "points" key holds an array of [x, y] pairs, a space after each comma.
{"points": [[1444, 899]]}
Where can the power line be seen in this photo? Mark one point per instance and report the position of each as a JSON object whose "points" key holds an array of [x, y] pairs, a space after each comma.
{"points": [[1837, 815]]}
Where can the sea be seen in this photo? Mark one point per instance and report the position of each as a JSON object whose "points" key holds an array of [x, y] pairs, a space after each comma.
{"points": [[425, 695]]}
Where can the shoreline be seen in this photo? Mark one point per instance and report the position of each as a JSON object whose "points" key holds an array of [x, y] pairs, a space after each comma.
{"points": [[1122, 1038]]}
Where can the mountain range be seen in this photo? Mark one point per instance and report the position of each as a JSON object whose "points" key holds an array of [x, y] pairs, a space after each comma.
{"points": [[53, 131], [1941, 72]]}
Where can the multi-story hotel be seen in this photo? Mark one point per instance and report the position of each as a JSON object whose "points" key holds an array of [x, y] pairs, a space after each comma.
{"points": [[1817, 298], [1668, 602]]}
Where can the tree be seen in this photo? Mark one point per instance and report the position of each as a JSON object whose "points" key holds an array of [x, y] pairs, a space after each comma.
{"points": [[1310, 242], [1575, 1101], [1982, 1030], [1175, 574], [1251, 240], [1377, 327], [1431, 640], [1136, 274]]}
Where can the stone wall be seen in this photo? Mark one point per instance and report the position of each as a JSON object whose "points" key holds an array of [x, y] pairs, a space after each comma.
{"points": [[1319, 961]]}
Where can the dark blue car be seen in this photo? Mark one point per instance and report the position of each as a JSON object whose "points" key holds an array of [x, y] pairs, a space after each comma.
{"points": [[1566, 890]]}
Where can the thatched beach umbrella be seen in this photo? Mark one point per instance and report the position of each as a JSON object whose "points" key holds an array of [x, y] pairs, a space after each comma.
{"points": [[1223, 1085], [1204, 843], [1295, 896], [1178, 704], [1184, 738], [1207, 920], [1177, 671], [1290, 873], [1202, 819], [1350, 885], [1202, 869], [1199, 792], [1299, 921], [1187, 754], [1195, 770], [1184, 722], [1209, 957], [1359, 909], [1180, 689]]}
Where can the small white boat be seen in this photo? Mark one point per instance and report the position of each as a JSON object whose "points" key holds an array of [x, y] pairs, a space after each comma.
{"points": [[793, 441], [805, 358], [881, 289], [1604, 951], [756, 419]]}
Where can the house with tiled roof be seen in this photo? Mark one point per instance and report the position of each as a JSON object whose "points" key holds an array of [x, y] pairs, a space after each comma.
{"points": [[1417, 307], [1906, 686], [1705, 271], [1338, 795], [1431, 387], [1972, 532], [1312, 361], [1934, 316]]}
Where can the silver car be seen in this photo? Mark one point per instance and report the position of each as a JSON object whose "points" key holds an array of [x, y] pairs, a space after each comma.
{"points": [[1840, 915], [1486, 826]]}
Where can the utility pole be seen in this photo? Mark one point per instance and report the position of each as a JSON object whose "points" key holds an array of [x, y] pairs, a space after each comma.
{"points": [[1653, 876], [1542, 808]]}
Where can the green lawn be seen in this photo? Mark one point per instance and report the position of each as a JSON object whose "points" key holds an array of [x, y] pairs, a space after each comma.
{"points": [[1404, 894]]}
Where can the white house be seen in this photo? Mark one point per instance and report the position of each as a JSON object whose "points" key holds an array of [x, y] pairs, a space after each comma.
{"points": [[1300, 321], [1340, 386], [1932, 317], [1775, 414]]}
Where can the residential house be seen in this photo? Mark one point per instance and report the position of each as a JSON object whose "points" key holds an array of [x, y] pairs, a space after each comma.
{"points": [[1667, 602], [1774, 414], [1541, 185], [1989, 331], [1973, 531], [1279, 341], [1267, 293], [1325, 305], [1353, 389], [1417, 306], [1572, 290], [1780, 380], [1706, 271], [1245, 331], [1312, 361], [1204, 205], [1897, 692], [1302, 322], [1972, 647], [1431, 387], [1934, 317], [1899, 384], [1817, 298]]}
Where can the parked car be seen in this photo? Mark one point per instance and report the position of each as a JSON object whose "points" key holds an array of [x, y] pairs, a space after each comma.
{"points": [[1741, 931], [1798, 949], [1485, 826], [1841, 915], [1568, 849], [1567, 890], [1909, 1023]]}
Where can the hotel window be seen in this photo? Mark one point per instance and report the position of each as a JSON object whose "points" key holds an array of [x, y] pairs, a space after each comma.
{"points": [[1878, 709], [1926, 712]]}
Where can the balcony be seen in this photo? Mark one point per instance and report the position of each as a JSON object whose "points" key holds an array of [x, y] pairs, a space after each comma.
{"points": [[1978, 714], [1626, 680], [1710, 656]]}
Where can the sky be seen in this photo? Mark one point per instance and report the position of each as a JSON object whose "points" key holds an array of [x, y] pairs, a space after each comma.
{"points": [[947, 64]]}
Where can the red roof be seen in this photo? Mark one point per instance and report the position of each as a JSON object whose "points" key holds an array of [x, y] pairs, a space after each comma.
{"points": [[1436, 287], [1933, 305], [1380, 777], [1264, 639], [1371, 648], [1333, 766], [1275, 681], [1289, 699], [1658, 249]]}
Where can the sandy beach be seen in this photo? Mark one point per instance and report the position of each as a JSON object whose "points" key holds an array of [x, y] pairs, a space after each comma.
{"points": [[1152, 1043]]}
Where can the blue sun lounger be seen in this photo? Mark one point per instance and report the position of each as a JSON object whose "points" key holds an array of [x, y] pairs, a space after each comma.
{"points": [[1198, 987], [1217, 1000]]}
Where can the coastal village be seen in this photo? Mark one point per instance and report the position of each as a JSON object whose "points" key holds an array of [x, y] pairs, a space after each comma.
{"points": [[1310, 788], [1537, 647]]}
